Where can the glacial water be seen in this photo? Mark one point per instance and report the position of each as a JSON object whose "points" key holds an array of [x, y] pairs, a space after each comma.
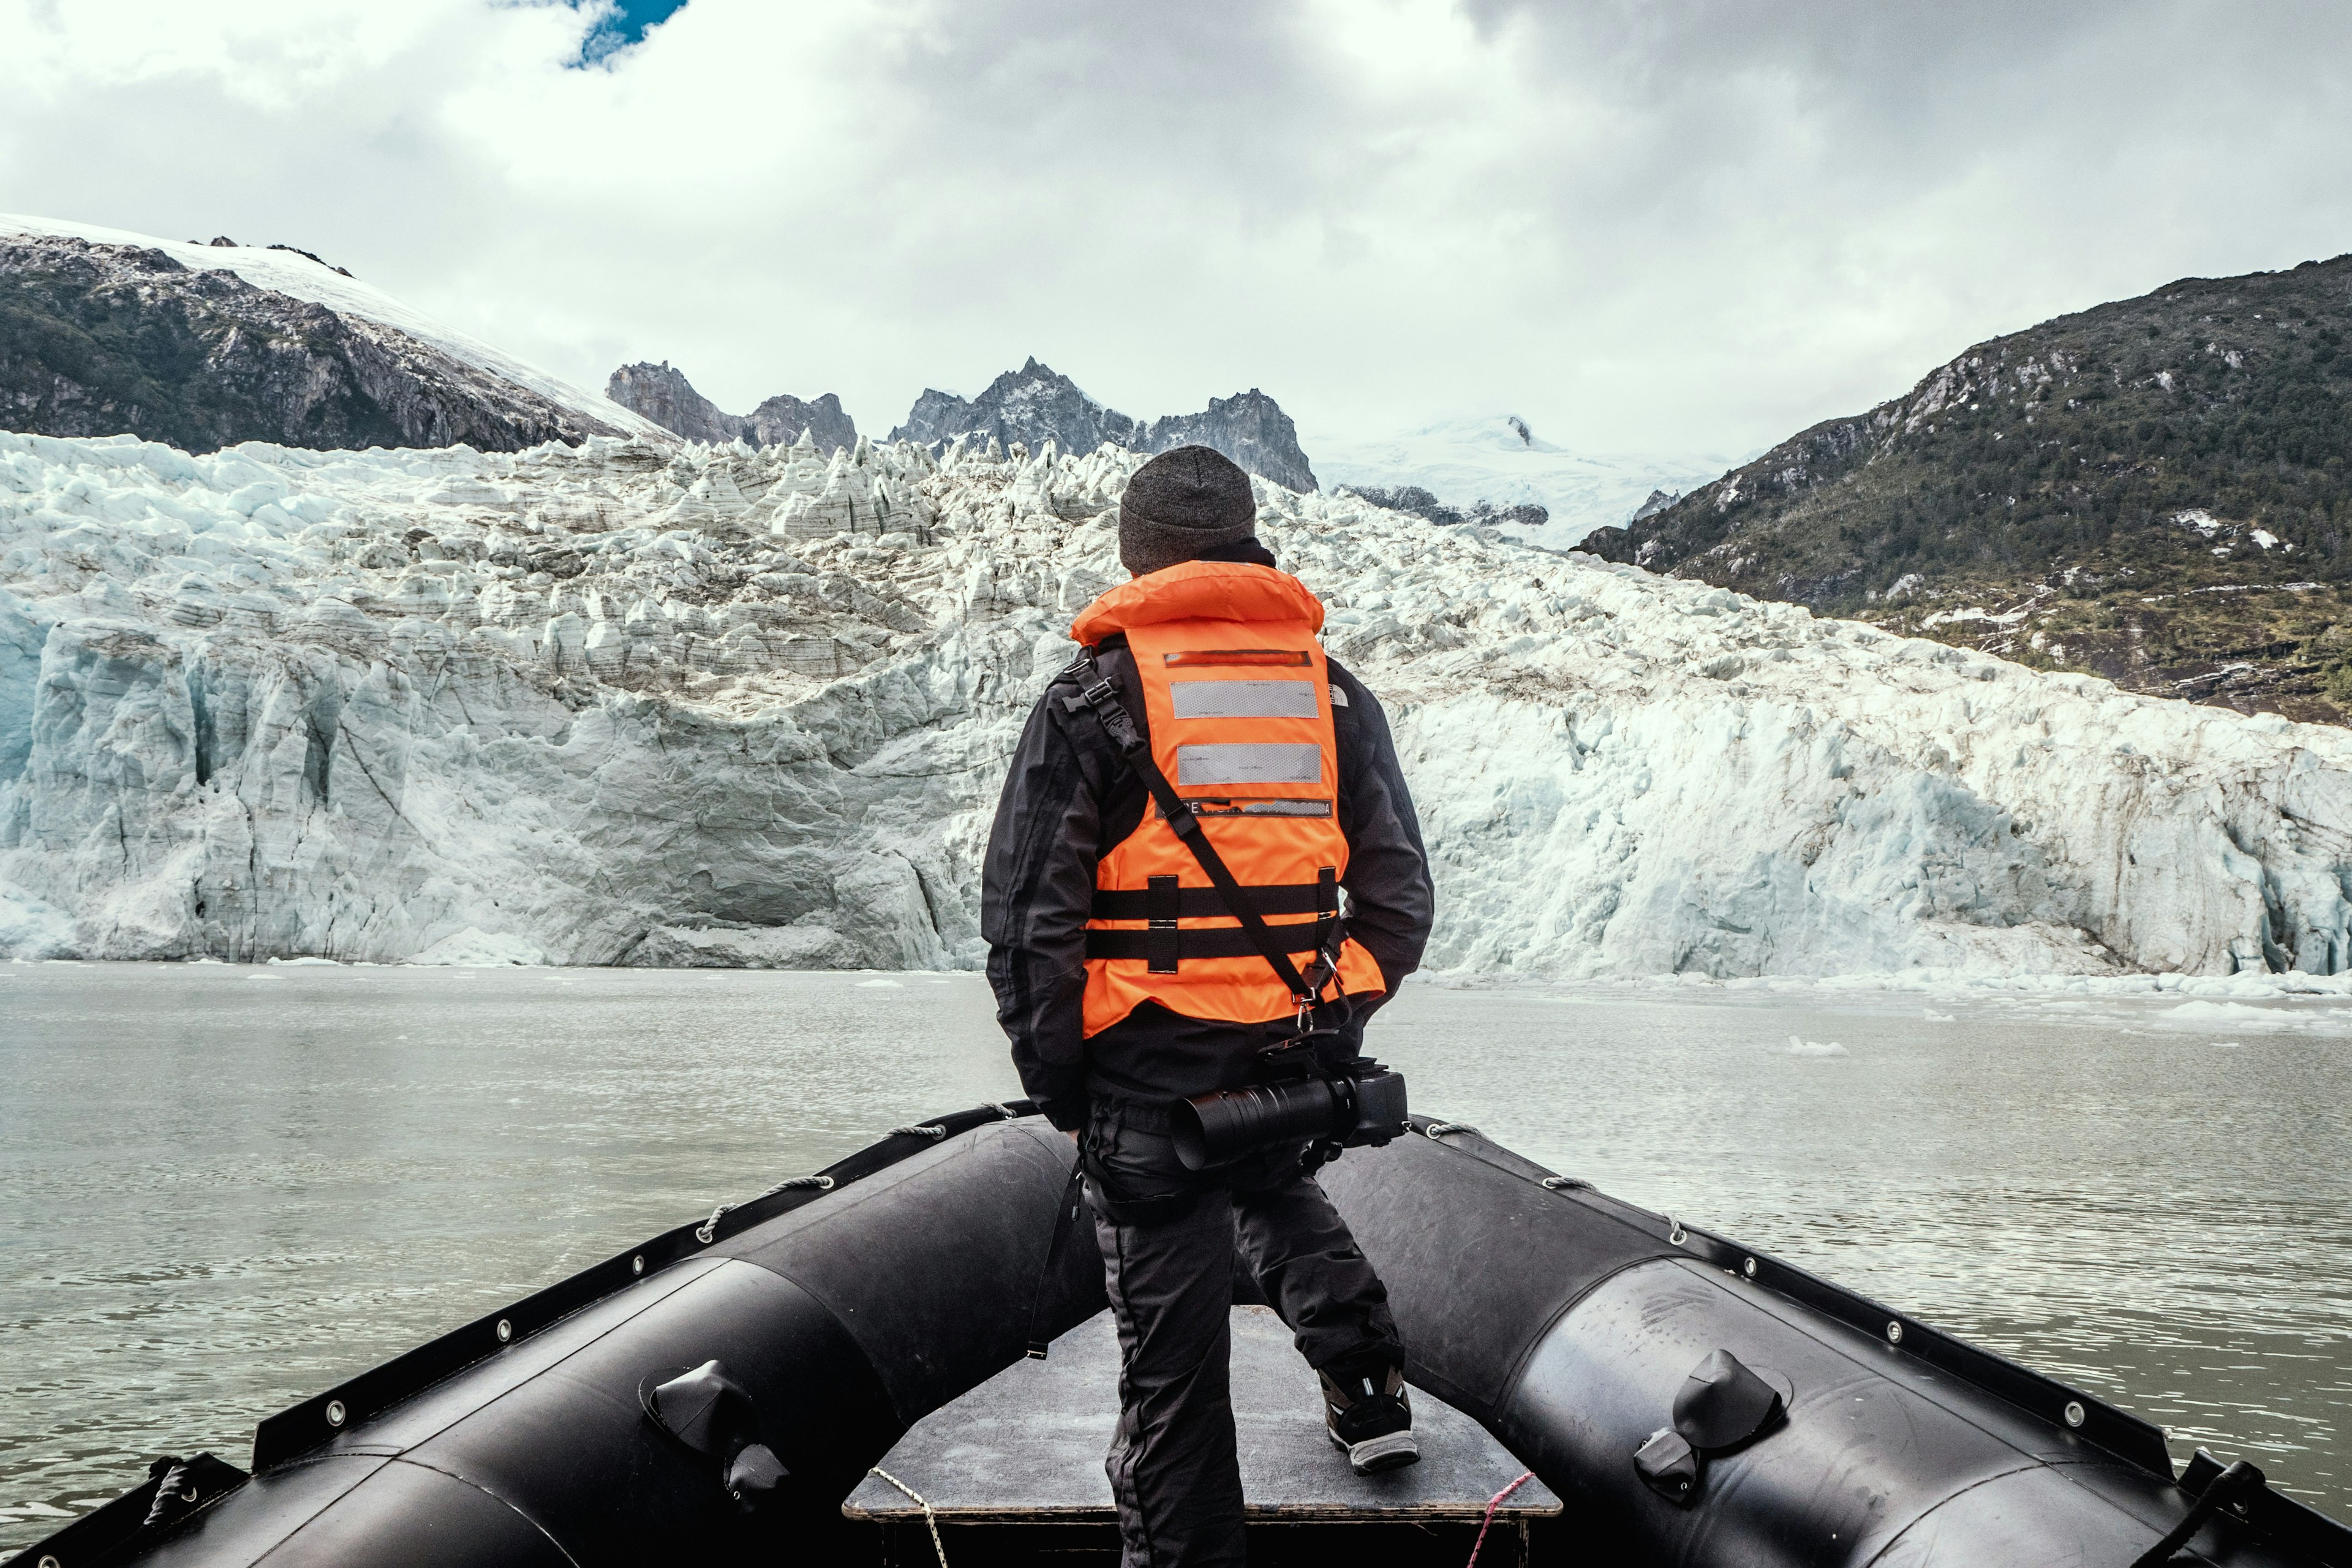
{"points": [[222, 1187]]}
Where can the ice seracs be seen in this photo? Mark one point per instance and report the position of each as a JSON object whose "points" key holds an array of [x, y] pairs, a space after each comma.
{"points": [[629, 703]]}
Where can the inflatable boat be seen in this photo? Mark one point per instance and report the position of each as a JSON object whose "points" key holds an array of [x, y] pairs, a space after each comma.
{"points": [[712, 1395]]}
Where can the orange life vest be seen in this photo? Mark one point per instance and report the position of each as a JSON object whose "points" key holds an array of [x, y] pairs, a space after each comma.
{"points": [[1238, 703]]}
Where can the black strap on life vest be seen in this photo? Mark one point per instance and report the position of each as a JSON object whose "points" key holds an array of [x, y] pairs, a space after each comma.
{"points": [[1215, 942], [1101, 694], [1206, 903]]}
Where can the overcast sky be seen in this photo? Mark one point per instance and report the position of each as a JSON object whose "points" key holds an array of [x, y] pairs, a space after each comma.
{"points": [[1661, 225]]}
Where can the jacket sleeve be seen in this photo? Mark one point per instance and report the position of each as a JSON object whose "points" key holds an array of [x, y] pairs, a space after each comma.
{"points": [[1390, 900], [1036, 885]]}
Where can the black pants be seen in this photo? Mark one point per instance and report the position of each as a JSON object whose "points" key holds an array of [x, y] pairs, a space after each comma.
{"points": [[1168, 1239]]}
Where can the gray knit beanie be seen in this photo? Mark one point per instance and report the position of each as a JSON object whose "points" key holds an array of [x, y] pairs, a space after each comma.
{"points": [[1180, 504]]}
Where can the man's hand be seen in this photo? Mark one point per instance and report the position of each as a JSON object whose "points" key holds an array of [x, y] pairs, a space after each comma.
{"points": [[1072, 1135]]}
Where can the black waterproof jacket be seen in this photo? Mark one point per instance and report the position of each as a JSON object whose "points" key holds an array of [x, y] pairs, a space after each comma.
{"points": [[1069, 797]]}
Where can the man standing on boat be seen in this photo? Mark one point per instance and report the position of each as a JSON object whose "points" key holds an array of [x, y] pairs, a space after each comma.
{"points": [[1126, 986]]}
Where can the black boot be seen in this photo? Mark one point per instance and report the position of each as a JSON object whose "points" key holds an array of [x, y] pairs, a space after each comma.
{"points": [[1368, 1413]]}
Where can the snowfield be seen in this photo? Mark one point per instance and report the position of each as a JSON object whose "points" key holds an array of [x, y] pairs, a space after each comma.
{"points": [[678, 705], [1498, 458]]}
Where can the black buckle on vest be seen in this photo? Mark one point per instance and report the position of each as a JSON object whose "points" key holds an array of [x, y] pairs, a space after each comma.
{"points": [[1327, 935], [1160, 897]]}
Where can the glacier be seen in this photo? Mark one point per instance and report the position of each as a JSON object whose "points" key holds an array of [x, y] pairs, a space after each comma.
{"points": [[1500, 459], [650, 703]]}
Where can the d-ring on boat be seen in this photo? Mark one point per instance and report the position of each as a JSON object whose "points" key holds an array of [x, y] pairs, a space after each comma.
{"points": [[1693, 1402]]}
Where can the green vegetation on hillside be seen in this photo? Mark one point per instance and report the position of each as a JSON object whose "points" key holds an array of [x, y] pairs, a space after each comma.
{"points": [[2153, 491]]}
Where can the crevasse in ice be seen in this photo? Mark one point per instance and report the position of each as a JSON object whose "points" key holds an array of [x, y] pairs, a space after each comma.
{"points": [[640, 704]]}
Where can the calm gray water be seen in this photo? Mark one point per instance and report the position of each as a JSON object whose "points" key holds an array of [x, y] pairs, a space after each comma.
{"points": [[223, 1188]]}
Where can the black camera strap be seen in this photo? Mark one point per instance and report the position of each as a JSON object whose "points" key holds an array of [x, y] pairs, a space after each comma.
{"points": [[1065, 1220], [1100, 693]]}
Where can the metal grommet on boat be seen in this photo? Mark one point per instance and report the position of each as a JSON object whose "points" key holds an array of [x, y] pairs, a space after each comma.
{"points": [[49, 1563], [637, 1263], [2075, 1413], [506, 1331], [1894, 1332], [1675, 1234], [1749, 1267], [336, 1414]]}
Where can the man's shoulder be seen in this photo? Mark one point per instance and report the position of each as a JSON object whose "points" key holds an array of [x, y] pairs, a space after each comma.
{"points": [[1348, 695]]}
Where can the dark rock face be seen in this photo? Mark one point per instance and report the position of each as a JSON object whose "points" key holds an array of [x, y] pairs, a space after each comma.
{"points": [[778, 421], [1249, 427], [103, 339], [2156, 490], [664, 396], [1036, 403], [1422, 503]]}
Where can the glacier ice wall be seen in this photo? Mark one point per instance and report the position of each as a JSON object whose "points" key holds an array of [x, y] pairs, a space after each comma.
{"points": [[638, 704]]}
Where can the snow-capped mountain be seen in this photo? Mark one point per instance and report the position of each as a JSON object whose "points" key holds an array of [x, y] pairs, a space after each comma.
{"points": [[1499, 461], [213, 344], [1038, 404], [641, 704]]}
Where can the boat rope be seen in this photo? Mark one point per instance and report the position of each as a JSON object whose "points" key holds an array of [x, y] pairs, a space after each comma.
{"points": [[1006, 1111], [1492, 1504], [919, 1132], [932, 1520], [1440, 1129], [703, 1232]]}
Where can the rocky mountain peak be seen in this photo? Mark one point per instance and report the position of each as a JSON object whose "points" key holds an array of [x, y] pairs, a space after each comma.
{"points": [[1038, 404], [663, 396]]}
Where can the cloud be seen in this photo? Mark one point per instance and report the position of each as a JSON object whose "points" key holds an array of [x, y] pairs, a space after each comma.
{"points": [[1673, 228]]}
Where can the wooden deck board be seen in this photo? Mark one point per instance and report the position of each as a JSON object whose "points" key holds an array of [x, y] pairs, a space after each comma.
{"points": [[1028, 1446]]}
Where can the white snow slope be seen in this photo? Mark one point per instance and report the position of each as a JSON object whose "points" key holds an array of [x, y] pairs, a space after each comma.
{"points": [[707, 705], [1494, 458], [293, 274]]}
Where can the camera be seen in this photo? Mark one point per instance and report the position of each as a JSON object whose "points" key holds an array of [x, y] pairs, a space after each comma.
{"points": [[1360, 1103]]}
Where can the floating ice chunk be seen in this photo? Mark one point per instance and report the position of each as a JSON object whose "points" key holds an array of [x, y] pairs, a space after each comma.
{"points": [[1934, 1017], [2225, 1045], [879, 985], [476, 948], [1803, 1048], [279, 977], [307, 961], [2203, 1014]]}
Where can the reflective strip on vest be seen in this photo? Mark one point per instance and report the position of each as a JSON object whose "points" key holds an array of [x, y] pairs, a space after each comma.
{"points": [[1232, 686], [1243, 699], [1248, 762]]}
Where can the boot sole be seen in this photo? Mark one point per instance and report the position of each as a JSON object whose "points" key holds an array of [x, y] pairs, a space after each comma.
{"points": [[1391, 1451]]}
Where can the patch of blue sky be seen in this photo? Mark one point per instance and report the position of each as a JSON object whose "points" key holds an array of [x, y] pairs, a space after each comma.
{"points": [[619, 24]]}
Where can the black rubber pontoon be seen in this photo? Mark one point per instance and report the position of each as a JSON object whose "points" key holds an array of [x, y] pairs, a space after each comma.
{"points": [[1778, 1419]]}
